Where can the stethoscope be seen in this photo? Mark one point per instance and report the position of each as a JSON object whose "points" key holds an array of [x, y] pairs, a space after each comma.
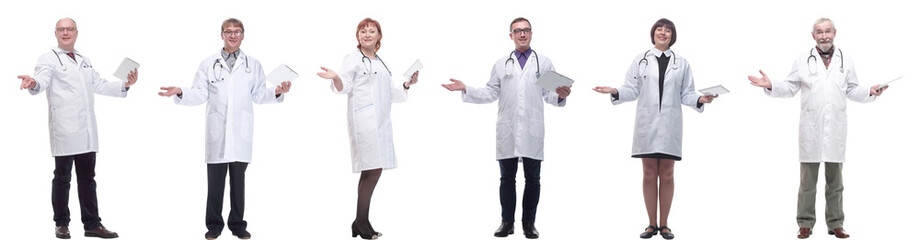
{"points": [[218, 73], [812, 57], [64, 68], [511, 60], [645, 59], [370, 64]]}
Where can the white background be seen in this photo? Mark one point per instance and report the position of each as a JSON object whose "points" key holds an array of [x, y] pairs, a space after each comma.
{"points": [[739, 176]]}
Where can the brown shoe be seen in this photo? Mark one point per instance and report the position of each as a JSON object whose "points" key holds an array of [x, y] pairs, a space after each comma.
{"points": [[62, 232], [839, 233], [804, 232], [100, 232]]}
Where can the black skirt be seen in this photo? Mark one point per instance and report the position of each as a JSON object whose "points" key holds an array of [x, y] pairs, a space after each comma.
{"points": [[657, 155]]}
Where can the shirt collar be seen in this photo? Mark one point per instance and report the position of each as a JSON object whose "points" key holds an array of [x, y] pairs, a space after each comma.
{"points": [[226, 55], [526, 54], [657, 52]]}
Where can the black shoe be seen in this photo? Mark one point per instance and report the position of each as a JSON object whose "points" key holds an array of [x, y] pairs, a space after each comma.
{"points": [[62, 232], [378, 234], [211, 234], [507, 228], [100, 232], [647, 234], [242, 234], [668, 234], [355, 231], [530, 231]]}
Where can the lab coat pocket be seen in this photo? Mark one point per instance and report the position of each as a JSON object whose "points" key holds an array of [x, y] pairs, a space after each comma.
{"points": [[365, 118], [809, 132], [215, 127], [643, 122], [503, 133], [536, 124], [66, 119], [246, 127]]}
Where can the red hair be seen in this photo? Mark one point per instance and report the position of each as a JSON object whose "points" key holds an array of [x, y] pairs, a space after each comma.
{"points": [[364, 23]]}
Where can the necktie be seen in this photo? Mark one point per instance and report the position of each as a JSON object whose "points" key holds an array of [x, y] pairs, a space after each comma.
{"points": [[71, 56]]}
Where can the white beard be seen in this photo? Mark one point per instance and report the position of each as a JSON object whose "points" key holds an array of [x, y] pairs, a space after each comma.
{"points": [[825, 46]]}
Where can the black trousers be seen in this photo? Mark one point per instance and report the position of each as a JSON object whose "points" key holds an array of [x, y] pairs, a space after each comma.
{"points": [[217, 174], [86, 189], [508, 193]]}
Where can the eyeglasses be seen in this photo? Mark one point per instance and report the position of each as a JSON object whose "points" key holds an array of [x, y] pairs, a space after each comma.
{"points": [[519, 31], [66, 29], [234, 33]]}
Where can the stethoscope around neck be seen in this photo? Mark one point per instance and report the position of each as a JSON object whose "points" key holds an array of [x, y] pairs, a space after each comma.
{"points": [[511, 60], [370, 64], [813, 58], [219, 73], [64, 68], [645, 59]]}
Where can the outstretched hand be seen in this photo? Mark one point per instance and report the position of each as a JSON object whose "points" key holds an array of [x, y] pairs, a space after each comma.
{"points": [[169, 91], [27, 82], [457, 85], [605, 89], [763, 82], [327, 73]]}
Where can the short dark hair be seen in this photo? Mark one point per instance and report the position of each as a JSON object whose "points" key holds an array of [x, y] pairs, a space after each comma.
{"points": [[516, 20], [664, 22]]}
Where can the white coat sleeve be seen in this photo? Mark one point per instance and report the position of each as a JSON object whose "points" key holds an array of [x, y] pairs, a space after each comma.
{"points": [[347, 73], [198, 93], [630, 89], [398, 93], [854, 91], [688, 95], [262, 94], [44, 71], [487, 94], [550, 96], [108, 88], [789, 87]]}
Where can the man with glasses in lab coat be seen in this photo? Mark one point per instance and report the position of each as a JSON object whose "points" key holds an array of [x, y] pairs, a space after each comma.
{"points": [[520, 122], [71, 83]]}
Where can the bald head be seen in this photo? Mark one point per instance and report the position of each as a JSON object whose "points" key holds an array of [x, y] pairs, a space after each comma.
{"points": [[66, 20]]}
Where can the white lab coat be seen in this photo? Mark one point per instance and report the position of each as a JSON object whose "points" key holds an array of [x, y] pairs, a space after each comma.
{"points": [[520, 130], [229, 128], [659, 127], [371, 91], [71, 107], [823, 120]]}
